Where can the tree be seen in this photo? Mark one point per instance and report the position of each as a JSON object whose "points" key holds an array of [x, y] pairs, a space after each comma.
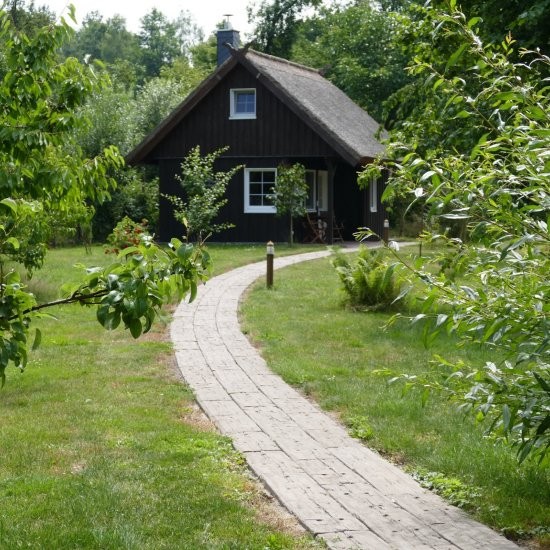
{"points": [[26, 17], [290, 194], [276, 24], [204, 194], [204, 56], [358, 50], [496, 181], [188, 33], [527, 20], [159, 43], [45, 169], [155, 100]]}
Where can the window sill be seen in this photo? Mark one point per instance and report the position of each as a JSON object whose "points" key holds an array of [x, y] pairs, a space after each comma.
{"points": [[260, 210]]}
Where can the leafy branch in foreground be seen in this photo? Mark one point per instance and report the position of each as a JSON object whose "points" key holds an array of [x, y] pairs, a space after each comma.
{"points": [[44, 169], [130, 291], [495, 291]]}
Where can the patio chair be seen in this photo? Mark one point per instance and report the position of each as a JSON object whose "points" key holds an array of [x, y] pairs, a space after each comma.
{"points": [[337, 228], [317, 230]]}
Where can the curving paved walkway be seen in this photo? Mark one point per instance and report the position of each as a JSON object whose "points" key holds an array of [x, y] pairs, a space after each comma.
{"points": [[337, 488]]}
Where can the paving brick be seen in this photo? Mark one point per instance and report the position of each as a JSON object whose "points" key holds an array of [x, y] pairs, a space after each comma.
{"points": [[247, 442], [355, 540]]}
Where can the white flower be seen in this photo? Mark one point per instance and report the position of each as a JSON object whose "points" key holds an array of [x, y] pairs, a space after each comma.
{"points": [[393, 245]]}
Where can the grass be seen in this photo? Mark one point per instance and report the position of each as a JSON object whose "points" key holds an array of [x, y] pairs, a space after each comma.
{"points": [[230, 256], [101, 447], [330, 353]]}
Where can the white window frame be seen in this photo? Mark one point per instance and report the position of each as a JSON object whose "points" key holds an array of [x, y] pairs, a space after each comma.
{"points": [[233, 114], [320, 191], [256, 209], [373, 195]]}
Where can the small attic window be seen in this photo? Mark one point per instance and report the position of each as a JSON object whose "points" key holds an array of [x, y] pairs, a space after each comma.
{"points": [[242, 103]]}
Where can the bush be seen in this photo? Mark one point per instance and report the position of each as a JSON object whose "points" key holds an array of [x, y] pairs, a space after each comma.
{"points": [[135, 197], [126, 233], [370, 283], [203, 194]]}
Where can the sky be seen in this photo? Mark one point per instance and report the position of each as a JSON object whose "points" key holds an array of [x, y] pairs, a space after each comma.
{"points": [[205, 12]]}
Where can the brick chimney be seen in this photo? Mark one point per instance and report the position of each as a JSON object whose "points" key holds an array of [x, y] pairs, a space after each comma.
{"points": [[227, 35]]}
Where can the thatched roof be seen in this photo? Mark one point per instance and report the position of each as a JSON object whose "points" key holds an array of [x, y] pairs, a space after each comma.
{"points": [[340, 121], [345, 126]]}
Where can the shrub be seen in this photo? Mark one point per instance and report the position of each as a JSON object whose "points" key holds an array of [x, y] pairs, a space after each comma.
{"points": [[203, 194], [126, 233], [370, 283], [136, 197]]}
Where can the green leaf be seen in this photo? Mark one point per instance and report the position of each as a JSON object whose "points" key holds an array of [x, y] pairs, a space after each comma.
{"points": [[184, 252], [135, 327], [427, 175], [454, 58], [10, 203], [473, 22], [463, 114], [14, 242], [542, 382], [193, 294], [37, 339], [506, 417], [544, 425]]}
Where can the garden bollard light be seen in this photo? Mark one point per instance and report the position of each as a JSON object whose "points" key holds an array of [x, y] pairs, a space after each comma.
{"points": [[270, 255], [386, 235]]}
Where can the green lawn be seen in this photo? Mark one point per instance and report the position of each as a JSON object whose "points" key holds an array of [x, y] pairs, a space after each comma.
{"points": [[101, 447], [330, 353]]}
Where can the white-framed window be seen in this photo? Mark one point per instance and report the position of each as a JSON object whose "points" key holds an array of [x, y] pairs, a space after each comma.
{"points": [[258, 185], [373, 195], [317, 194], [242, 103]]}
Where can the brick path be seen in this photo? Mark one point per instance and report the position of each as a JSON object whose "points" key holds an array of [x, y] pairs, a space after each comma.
{"points": [[336, 487]]}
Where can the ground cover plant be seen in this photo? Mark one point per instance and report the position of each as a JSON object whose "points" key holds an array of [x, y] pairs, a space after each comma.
{"points": [[102, 446], [332, 353]]}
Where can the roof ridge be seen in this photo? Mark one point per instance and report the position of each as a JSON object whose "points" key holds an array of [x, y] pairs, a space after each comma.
{"points": [[280, 60]]}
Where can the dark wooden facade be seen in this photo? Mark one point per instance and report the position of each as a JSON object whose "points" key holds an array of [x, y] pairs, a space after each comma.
{"points": [[276, 135]]}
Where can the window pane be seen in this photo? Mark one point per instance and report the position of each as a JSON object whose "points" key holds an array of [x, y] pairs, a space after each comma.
{"points": [[269, 177], [255, 176], [245, 102], [255, 200], [256, 188]]}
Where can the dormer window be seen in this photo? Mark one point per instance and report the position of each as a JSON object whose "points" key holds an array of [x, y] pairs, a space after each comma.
{"points": [[242, 103]]}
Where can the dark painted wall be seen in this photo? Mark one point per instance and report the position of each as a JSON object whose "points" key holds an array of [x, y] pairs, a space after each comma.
{"points": [[276, 131]]}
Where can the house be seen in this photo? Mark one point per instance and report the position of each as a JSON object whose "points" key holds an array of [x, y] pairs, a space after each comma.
{"points": [[269, 111]]}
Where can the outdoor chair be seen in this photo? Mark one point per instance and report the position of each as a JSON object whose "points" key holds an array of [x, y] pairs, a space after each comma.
{"points": [[337, 228], [317, 229]]}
